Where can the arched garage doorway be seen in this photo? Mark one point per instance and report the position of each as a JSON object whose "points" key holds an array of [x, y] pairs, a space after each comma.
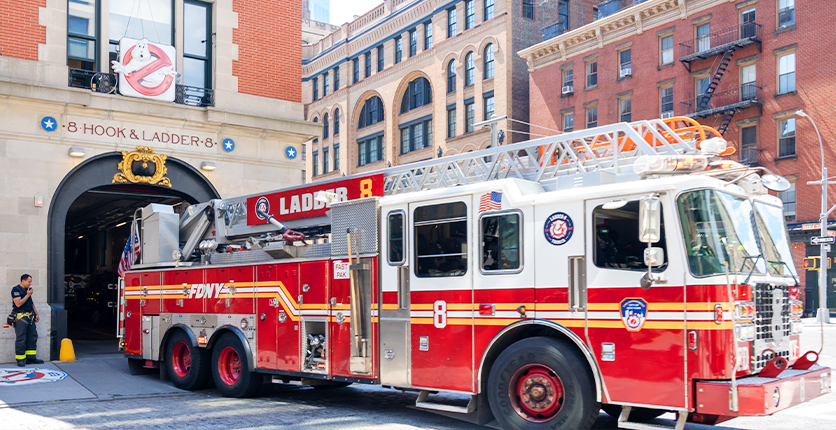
{"points": [[85, 235]]}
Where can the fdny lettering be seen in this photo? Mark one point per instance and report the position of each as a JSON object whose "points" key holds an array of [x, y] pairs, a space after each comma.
{"points": [[209, 291], [306, 202]]}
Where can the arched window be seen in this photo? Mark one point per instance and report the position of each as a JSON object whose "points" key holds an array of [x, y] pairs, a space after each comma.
{"points": [[316, 120], [372, 112], [488, 59], [417, 94], [336, 126], [325, 126], [469, 69], [451, 76]]}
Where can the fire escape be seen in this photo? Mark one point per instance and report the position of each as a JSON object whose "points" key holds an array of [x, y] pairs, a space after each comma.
{"points": [[723, 43]]}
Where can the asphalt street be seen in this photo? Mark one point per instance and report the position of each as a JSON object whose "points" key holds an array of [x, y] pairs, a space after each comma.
{"points": [[353, 407]]}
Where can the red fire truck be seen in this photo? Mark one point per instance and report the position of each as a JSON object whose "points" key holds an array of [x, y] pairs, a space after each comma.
{"points": [[629, 267]]}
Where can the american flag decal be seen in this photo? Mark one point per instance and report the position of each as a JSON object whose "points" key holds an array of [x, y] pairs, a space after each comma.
{"points": [[490, 202]]}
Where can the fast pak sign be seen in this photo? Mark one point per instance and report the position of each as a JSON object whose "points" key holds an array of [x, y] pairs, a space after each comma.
{"points": [[146, 70], [299, 203]]}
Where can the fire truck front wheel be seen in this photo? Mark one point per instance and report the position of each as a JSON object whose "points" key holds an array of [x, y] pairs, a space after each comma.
{"points": [[230, 371], [540, 383], [188, 365]]}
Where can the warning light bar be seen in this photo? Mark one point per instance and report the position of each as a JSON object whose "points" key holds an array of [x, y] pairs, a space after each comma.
{"points": [[650, 164]]}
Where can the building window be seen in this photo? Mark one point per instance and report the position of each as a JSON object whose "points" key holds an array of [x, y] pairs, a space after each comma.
{"points": [[748, 25], [666, 46], [440, 233], [488, 10], [428, 35], [749, 145], [788, 199], [304, 152], [703, 101], [451, 122], [372, 112], [336, 156], [413, 43], [625, 109], [316, 88], [315, 163], [786, 137], [370, 150], [336, 78], [528, 9], [325, 161], [325, 122], [418, 93], [501, 242], [451, 76], [367, 62], [748, 78], [591, 74], [469, 14], [451, 22], [82, 32], [380, 58], [666, 101], [563, 15], [325, 85], [489, 107], [625, 63], [417, 135], [488, 61], [355, 69], [568, 122], [316, 121], [125, 19], [786, 13], [469, 69], [197, 44], [786, 73], [470, 116], [596, 14], [704, 37], [336, 122], [398, 50], [592, 117]]}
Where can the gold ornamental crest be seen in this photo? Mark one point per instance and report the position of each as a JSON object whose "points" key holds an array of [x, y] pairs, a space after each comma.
{"points": [[142, 166]]}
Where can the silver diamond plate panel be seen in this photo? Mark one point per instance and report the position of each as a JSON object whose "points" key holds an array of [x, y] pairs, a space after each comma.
{"points": [[243, 257], [361, 217], [314, 250]]}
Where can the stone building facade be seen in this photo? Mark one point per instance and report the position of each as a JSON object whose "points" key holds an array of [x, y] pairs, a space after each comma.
{"points": [[68, 185], [659, 58]]}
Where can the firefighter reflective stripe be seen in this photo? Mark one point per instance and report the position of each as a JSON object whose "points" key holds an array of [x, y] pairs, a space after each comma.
{"points": [[32, 352], [20, 357]]}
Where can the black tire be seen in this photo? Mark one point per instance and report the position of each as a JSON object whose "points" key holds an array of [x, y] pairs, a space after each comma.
{"points": [[232, 376], [637, 415], [187, 365], [551, 372]]}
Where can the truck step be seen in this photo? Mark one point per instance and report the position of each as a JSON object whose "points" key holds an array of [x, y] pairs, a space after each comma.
{"points": [[623, 422], [424, 403]]}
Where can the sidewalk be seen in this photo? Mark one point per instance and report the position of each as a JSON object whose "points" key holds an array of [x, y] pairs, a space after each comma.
{"points": [[100, 373]]}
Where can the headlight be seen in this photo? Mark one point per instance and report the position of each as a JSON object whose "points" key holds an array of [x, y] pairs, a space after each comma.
{"points": [[796, 326], [244, 323], [796, 308], [744, 310], [745, 332]]}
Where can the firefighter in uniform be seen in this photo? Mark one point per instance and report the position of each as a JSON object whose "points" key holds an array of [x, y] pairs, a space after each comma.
{"points": [[26, 316]]}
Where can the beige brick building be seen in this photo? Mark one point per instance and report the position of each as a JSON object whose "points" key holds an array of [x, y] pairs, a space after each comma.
{"points": [[406, 82]]}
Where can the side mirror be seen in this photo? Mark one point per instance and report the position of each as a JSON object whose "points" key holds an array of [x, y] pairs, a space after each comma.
{"points": [[650, 219], [654, 257]]}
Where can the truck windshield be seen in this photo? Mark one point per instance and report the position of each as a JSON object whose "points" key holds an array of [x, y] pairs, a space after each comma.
{"points": [[719, 227], [774, 241]]}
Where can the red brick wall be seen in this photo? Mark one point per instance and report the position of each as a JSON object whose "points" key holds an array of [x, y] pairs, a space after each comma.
{"points": [[20, 33], [269, 48]]}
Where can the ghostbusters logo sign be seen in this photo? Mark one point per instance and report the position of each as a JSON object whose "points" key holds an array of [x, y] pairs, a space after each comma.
{"points": [[146, 69]]}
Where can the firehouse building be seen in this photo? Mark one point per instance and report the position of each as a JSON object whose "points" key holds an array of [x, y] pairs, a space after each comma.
{"points": [[742, 67], [106, 109]]}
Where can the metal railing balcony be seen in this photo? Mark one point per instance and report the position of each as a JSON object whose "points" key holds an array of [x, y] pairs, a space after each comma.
{"points": [[108, 83], [717, 42], [749, 155], [732, 99]]}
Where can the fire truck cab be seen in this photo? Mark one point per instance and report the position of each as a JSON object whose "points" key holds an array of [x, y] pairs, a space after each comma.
{"points": [[628, 267]]}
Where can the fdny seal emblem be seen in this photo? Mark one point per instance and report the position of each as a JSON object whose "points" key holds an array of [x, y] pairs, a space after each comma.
{"points": [[558, 228], [633, 313], [262, 205], [9, 377]]}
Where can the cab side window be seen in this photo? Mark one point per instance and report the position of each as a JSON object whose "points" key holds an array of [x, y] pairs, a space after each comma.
{"points": [[617, 244], [396, 256], [440, 240], [501, 242]]}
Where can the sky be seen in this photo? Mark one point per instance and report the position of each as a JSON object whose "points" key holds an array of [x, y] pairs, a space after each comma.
{"points": [[343, 11]]}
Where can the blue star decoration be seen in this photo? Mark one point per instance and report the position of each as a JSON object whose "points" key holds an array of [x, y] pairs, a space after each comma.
{"points": [[290, 152], [228, 145], [49, 123]]}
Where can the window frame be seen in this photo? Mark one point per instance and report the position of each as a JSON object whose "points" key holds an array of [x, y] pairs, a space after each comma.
{"points": [[469, 69], [315, 83], [325, 152], [367, 64], [662, 99], [748, 89], [793, 73], [336, 156], [488, 11], [325, 86], [622, 65], [451, 22], [744, 145], [398, 50], [793, 137], [425, 124], [485, 103], [366, 152], [621, 102], [469, 117], [520, 242], [336, 122], [336, 78], [591, 110], [706, 37], [315, 163], [488, 59], [469, 14], [428, 35], [380, 59], [790, 10], [794, 203], [451, 122], [571, 75], [451, 76], [413, 43], [404, 235], [355, 69], [528, 11], [590, 75], [571, 117], [662, 50], [94, 39], [206, 59], [325, 126], [451, 220]]}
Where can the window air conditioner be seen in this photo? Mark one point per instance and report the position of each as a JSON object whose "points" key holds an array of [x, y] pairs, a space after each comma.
{"points": [[667, 115], [626, 71], [567, 89]]}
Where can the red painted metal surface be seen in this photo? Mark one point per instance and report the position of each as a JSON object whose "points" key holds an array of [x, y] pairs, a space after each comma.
{"points": [[267, 308], [183, 286], [133, 324], [238, 286]]}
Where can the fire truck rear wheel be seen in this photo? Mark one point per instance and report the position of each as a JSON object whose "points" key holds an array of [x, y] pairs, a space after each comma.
{"points": [[638, 415], [230, 371], [540, 383], [188, 365]]}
